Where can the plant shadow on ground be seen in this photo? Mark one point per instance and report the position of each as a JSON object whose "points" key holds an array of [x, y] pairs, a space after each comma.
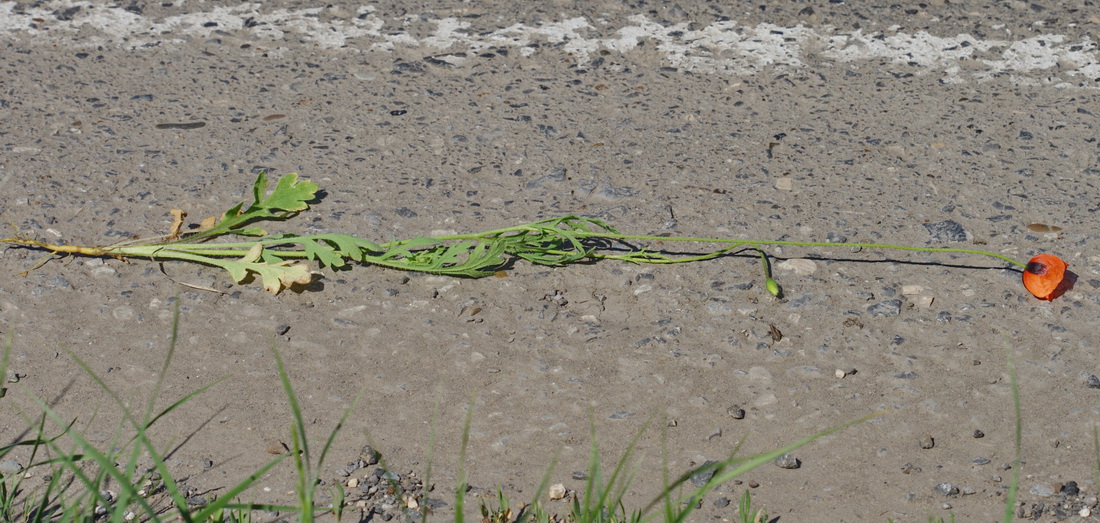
{"points": [[80, 481]]}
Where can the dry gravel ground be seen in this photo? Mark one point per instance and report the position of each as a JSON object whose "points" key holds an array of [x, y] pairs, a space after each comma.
{"points": [[944, 124]]}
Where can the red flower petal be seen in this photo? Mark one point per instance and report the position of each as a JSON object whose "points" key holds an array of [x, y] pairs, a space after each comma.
{"points": [[1045, 276]]}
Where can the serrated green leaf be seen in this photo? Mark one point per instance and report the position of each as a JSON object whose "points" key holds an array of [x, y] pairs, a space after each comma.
{"points": [[272, 256], [251, 231], [233, 212], [349, 246], [237, 270], [290, 194], [462, 258], [289, 197], [321, 251], [259, 189]]}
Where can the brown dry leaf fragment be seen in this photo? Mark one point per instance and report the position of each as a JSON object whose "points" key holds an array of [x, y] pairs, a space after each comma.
{"points": [[177, 223], [775, 333], [208, 223], [1042, 227]]}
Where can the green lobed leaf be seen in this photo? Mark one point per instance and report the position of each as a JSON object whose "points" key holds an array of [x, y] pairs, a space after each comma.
{"points": [[462, 258], [322, 252], [232, 213], [290, 194], [251, 231], [350, 245]]}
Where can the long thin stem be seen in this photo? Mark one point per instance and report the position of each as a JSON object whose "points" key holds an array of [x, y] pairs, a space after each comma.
{"points": [[736, 243], [803, 244]]}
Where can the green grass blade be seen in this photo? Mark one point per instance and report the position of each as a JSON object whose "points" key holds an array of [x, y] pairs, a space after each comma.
{"points": [[431, 449], [543, 485], [106, 464], [460, 490], [1013, 487], [300, 447], [746, 464], [337, 506]]}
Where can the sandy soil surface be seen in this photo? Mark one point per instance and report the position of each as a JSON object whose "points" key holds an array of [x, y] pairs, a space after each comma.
{"points": [[946, 124]]}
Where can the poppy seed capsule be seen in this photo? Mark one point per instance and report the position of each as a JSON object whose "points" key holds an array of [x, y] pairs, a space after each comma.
{"points": [[1036, 268]]}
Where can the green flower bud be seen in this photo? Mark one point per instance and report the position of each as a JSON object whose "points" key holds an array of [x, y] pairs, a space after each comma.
{"points": [[773, 287]]}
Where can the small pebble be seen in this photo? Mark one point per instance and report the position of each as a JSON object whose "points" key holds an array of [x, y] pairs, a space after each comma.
{"points": [[58, 282], [369, 455], [947, 231], [947, 489], [1070, 489], [557, 491], [885, 308], [703, 476], [722, 502], [10, 467], [753, 484], [1042, 491], [282, 329], [927, 442], [979, 434], [736, 412], [1093, 382], [799, 266], [787, 461]]}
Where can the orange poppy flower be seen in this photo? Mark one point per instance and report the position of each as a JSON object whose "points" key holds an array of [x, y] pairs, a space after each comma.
{"points": [[1045, 276]]}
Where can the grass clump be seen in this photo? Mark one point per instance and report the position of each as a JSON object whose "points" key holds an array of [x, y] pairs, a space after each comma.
{"points": [[602, 500], [86, 482]]}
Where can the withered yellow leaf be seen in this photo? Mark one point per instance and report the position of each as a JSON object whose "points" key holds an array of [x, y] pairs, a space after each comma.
{"points": [[297, 273], [177, 223], [208, 223]]}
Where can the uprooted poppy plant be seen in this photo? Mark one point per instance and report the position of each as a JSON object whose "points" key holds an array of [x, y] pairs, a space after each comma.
{"points": [[281, 260], [1045, 276]]}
